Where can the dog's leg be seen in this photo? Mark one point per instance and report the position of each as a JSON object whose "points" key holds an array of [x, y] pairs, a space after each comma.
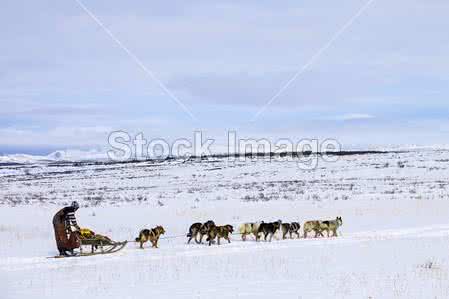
{"points": [[192, 236], [321, 233], [196, 238]]}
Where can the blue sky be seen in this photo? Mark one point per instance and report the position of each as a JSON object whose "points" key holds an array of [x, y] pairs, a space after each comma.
{"points": [[64, 83]]}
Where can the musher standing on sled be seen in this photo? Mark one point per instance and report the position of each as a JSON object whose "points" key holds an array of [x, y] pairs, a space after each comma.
{"points": [[66, 229]]}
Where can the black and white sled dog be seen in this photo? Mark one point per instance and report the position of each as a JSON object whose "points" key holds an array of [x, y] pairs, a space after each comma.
{"points": [[268, 229], [290, 228]]}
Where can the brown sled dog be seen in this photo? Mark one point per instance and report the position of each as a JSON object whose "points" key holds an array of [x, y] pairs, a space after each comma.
{"points": [[151, 235], [332, 225], [313, 226], [219, 232]]}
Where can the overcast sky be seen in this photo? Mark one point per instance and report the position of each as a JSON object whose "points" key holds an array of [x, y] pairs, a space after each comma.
{"points": [[65, 83]]}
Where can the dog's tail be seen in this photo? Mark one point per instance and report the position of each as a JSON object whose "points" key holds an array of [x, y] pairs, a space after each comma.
{"points": [[138, 238], [189, 234]]}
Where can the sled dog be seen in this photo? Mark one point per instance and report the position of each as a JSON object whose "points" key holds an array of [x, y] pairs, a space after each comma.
{"points": [[313, 225], [194, 230], [204, 230], [268, 229], [219, 232], [290, 228], [198, 229], [249, 228], [151, 235], [230, 228], [332, 225]]}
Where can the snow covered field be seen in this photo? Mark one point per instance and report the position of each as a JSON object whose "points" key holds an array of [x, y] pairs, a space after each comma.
{"points": [[394, 243]]}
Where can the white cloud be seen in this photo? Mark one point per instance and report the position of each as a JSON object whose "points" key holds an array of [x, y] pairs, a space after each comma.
{"points": [[354, 116]]}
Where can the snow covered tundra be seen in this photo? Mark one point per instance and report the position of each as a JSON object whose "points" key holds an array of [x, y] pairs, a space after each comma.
{"points": [[394, 241]]}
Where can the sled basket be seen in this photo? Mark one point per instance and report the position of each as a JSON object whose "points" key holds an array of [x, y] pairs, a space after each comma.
{"points": [[101, 246]]}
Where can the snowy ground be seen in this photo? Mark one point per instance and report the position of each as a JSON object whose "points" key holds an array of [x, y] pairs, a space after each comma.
{"points": [[394, 243]]}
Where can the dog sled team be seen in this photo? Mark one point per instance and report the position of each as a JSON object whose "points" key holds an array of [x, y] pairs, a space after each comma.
{"points": [[70, 236], [267, 230]]}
